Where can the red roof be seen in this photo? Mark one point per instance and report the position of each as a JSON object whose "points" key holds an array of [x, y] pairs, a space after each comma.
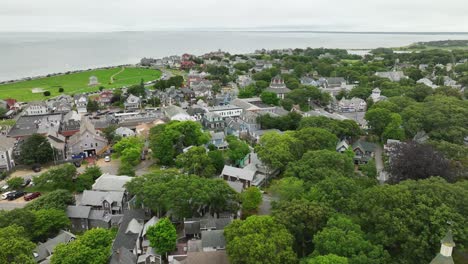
{"points": [[10, 102]]}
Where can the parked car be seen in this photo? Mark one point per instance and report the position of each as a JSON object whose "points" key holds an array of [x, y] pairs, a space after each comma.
{"points": [[5, 195], [14, 195], [36, 168], [107, 159], [30, 196], [77, 164]]}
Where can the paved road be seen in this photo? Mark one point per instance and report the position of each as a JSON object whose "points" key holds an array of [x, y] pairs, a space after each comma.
{"points": [[4, 205], [381, 174]]}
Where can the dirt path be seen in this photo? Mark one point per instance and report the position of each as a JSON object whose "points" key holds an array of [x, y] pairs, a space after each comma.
{"points": [[117, 73]]}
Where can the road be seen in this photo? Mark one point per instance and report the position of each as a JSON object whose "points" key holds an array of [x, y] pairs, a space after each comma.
{"points": [[7, 205], [381, 174]]}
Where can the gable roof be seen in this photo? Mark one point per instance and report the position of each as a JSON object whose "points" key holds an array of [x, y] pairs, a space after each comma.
{"points": [[108, 182], [78, 211], [364, 145], [46, 249], [95, 198], [238, 173], [126, 236], [213, 239]]}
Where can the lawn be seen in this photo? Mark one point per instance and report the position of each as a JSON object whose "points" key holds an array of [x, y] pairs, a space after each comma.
{"points": [[77, 82]]}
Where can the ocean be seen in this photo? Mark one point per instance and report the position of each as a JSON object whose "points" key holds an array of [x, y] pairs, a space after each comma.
{"points": [[32, 54]]}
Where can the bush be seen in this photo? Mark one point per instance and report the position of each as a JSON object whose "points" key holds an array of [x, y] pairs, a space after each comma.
{"points": [[126, 169], [61, 90], [46, 93], [15, 183]]}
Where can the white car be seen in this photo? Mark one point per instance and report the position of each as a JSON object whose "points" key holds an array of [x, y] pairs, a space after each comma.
{"points": [[5, 195], [107, 159]]}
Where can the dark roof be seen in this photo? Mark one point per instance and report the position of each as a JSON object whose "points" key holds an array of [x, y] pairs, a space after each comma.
{"points": [[78, 211], [364, 145], [441, 259], [122, 256], [192, 226], [128, 239], [213, 239]]}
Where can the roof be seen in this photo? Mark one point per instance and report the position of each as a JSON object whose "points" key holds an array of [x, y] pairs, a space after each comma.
{"points": [[238, 173], [100, 215], [335, 80], [109, 182], [237, 186], [191, 226], [46, 249], [441, 259], [366, 146], [448, 239], [213, 239], [123, 256], [6, 143], [278, 90], [95, 198], [213, 257], [154, 220], [78, 211], [131, 222]]}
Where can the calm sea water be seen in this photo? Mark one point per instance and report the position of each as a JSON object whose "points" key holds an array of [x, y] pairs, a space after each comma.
{"points": [[32, 54]]}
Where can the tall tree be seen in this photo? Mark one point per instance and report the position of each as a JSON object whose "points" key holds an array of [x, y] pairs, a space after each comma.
{"points": [[16, 248], [237, 149], [162, 236], [196, 161], [327, 259], [259, 239], [251, 199], [269, 98], [36, 149], [429, 162], [316, 138], [57, 178], [276, 150], [378, 119], [48, 223]]}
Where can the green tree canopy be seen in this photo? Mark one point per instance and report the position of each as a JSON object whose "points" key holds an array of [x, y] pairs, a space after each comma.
{"points": [[196, 161], [57, 178], [251, 199], [237, 149], [327, 259], [259, 239], [48, 222], [316, 138], [16, 248], [269, 98], [58, 199], [162, 236], [36, 149], [276, 150], [288, 188]]}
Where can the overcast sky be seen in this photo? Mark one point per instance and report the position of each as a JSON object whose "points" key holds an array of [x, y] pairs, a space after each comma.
{"points": [[339, 15]]}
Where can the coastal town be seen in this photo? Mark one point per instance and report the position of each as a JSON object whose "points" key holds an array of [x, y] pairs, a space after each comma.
{"points": [[271, 157]]}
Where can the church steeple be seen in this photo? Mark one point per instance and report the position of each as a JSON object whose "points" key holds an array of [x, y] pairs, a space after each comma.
{"points": [[446, 248]]}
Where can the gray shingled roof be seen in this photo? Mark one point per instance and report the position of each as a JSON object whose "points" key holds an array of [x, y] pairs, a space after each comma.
{"points": [[213, 239], [78, 211], [46, 249], [95, 198], [109, 182], [127, 239], [238, 173]]}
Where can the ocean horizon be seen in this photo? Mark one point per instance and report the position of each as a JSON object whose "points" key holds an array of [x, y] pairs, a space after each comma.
{"points": [[30, 54]]}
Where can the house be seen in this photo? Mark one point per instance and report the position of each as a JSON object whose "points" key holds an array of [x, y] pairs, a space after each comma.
{"points": [[60, 104], [105, 97], [83, 218], [125, 132], [37, 124], [111, 183], [278, 87], [174, 112], [394, 76], [213, 121], [81, 103], [335, 82], [427, 82], [71, 124], [201, 88], [363, 151], [125, 248], [143, 241], [390, 145], [214, 257], [111, 202], [87, 140], [342, 146], [376, 96], [244, 80], [44, 251], [226, 110], [446, 248], [93, 81], [213, 240], [58, 143], [36, 108], [352, 105], [321, 112], [193, 227], [218, 140], [307, 80], [186, 65], [6, 153], [132, 102]]}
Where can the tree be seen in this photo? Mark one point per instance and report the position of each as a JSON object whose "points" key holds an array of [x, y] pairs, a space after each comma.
{"points": [[169, 140], [48, 223], [327, 259], [57, 178], [87, 178], [131, 156], [378, 119], [61, 90], [237, 149], [288, 188], [303, 219], [16, 248], [20, 217], [394, 129], [404, 165], [58, 199], [269, 98], [346, 128], [126, 143], [36, 149], [196, 161], [92, 247], [92, 106], [401, 216], [3, 111], [46, 93], [316, 165], [259, 239], [217, 160], [126, 169], [251, 199], [109, 133], [162, 236], [276, 150], [15, 183], [316, 138], [184, 195], [344, 238], [137, 90], [420, 92]]}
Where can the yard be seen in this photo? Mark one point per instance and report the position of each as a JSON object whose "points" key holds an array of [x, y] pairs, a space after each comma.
{"points": [[77, 82]]}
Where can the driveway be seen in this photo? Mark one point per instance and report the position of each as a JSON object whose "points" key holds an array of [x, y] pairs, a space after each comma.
{"points": [[10, 205], [265, 206], [111, 167], [382, 175]]}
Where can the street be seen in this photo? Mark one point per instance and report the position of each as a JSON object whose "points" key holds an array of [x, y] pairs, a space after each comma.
{"points": [[382, 176]]}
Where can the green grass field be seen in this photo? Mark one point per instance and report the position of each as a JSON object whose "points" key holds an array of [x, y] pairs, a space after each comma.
{"points": [[77, 83]]}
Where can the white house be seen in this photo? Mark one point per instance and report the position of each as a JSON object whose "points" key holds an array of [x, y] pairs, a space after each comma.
{"points": [[226, 110], [174, 112], [125, 132], [36, 108]]}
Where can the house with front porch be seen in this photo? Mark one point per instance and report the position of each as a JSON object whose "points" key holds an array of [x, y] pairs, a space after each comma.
{"points": [[88, 140]]}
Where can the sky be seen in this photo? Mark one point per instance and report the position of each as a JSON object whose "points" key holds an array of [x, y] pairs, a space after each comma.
{"points": [[318, 15]]}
